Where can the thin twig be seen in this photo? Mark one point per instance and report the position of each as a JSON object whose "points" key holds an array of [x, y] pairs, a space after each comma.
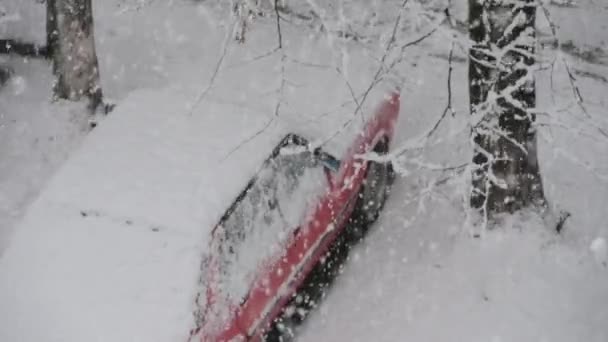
{"points": [[250, 138], [575, 90], [281, 87], [216, 71], [579, 98], [421, 38], [571, 78], [308, 64], [416, 42], [448, 107], [253, 59], [277, 110], [547, 15], [349, 86], [377, 75]]}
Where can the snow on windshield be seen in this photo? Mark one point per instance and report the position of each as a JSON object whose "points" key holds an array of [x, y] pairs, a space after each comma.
{"points": [[259, 226]]}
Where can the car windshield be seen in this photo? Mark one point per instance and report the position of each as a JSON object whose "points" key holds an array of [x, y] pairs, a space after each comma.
{"points": [[259, 224]]}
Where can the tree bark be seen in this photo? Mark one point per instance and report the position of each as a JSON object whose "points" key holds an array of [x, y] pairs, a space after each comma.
{"points": [[71, 43], [502, 93]]}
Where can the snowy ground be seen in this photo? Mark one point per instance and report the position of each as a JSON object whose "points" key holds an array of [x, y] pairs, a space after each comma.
{"points": [[35, 138], [420, 275]]}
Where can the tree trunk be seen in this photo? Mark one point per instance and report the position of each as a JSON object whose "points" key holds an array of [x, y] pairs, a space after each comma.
{"points": [[71, 43], [506, 176]]}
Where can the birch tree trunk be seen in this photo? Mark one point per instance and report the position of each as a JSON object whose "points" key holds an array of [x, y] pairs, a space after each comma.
{"points": [[71, 43], [502, 93]]}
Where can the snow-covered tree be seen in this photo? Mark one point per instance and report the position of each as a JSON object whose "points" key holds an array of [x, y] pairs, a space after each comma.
{"points": [[72, 47], [506, 174]]}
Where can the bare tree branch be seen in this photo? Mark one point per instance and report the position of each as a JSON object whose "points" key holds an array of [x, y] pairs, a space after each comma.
{"points": [[579, 98], [448, 107], [250, 138], [216, 70], [377, 75]]}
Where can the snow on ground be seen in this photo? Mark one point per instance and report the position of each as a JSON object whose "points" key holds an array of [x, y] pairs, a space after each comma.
{"points": [[35, 138], [111, 248], [425, 281]]}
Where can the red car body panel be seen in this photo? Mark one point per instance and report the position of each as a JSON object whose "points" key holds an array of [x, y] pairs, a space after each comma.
{"points": [[275, 285]]}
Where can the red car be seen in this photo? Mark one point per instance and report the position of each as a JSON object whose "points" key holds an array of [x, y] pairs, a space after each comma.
{"points": [[276, 248]]}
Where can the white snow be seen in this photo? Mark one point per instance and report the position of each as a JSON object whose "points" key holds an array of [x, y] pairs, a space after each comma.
{"points": [[599, 247], [107, 246], [35, 138]]}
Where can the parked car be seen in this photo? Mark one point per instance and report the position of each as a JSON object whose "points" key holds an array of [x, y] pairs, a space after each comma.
{"points": [[275, 249]]}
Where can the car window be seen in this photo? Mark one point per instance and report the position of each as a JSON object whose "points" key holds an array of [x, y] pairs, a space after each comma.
{"points": [[257, 229]]}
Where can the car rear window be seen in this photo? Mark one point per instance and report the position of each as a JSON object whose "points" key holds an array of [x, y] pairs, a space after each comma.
{"points": [[259, 225]]}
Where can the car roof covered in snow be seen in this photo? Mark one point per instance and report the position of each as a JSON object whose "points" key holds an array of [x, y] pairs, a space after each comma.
{"points": [[111, 249]]}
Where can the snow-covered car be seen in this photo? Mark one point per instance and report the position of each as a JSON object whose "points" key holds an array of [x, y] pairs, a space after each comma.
{"points": [[274, 248], [112, 246]]}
